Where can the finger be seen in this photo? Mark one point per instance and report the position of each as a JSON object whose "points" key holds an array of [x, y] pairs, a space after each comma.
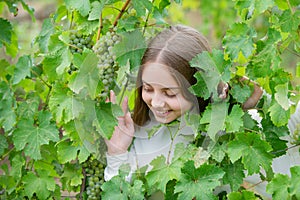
{"points": [[125, 105], [112, 97], [128, 120]]}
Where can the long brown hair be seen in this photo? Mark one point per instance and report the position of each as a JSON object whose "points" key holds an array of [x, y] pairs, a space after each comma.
{"points": [[174, 47]]}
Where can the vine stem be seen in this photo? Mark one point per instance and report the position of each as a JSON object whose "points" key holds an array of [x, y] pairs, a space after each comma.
{"points": [[123, 91], [254, 185], [275, 152], [71, 21], [7, 153], [82, 188], [47, 98], [121, 12], [290, 7], [47, 84], [100, 27], [147, 19]]}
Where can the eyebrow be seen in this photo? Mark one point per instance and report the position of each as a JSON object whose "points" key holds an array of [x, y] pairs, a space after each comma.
{"points": [[166, 88]]}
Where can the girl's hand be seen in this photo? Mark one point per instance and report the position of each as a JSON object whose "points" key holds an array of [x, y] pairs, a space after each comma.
{"points": [[123, 133], [222, 90], [255, 96]]}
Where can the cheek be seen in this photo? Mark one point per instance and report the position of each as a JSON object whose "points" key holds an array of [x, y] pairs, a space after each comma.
{"points": [[182, 105], [146, 97]]}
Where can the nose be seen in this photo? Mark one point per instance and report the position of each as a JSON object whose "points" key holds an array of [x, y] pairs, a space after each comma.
{"points": [[157, 100]]}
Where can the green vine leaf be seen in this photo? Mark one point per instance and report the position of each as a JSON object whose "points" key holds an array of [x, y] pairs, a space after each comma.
{"points": [[254, 151], [106, 118], [289, 21], [58, 58], [198, 182], [273, 134], [239, 39], [249, 195], [64, 104], [130, 49], [267, 55], [215, 115], [162, 173], [142, 6], [5, 31], [281, 96], [3, 144], [234, 120], [247, 7], [279, 116], [40, 184], [29, 136], [23, 69], [234, 175], [87, 76], [240, 93], [72, 175], [29, 9], [49, 157], [212, 70], [96, 10], [119, 188], [68, 151], [284, 187], [17, 165], [43, 38], [7, 114], [82, 6]]}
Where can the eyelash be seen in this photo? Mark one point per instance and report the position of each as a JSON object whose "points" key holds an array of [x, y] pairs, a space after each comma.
{"points": [[146, 89]]}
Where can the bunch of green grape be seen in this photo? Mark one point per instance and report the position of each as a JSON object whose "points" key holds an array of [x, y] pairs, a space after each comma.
{"points": [[79, 41], [95, 178], [107, 60]]}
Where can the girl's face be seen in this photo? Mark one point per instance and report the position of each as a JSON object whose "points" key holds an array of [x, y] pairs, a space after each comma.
{"points": [[162, 94]]}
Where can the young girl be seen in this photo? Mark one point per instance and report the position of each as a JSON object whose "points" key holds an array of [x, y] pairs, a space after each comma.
{"points": [[162, 98]]}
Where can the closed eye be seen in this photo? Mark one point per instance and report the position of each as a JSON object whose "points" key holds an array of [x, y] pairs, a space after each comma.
{"points": [[170, 94], [147, 88]]}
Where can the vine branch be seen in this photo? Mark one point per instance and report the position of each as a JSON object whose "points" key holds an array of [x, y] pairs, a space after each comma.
{"points": [[100, 27], [121, 12], [290, 7], [279, 151], [147, 19]]}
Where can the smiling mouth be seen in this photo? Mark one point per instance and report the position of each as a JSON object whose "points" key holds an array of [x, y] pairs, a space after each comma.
{"points": [[162, 113]]}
